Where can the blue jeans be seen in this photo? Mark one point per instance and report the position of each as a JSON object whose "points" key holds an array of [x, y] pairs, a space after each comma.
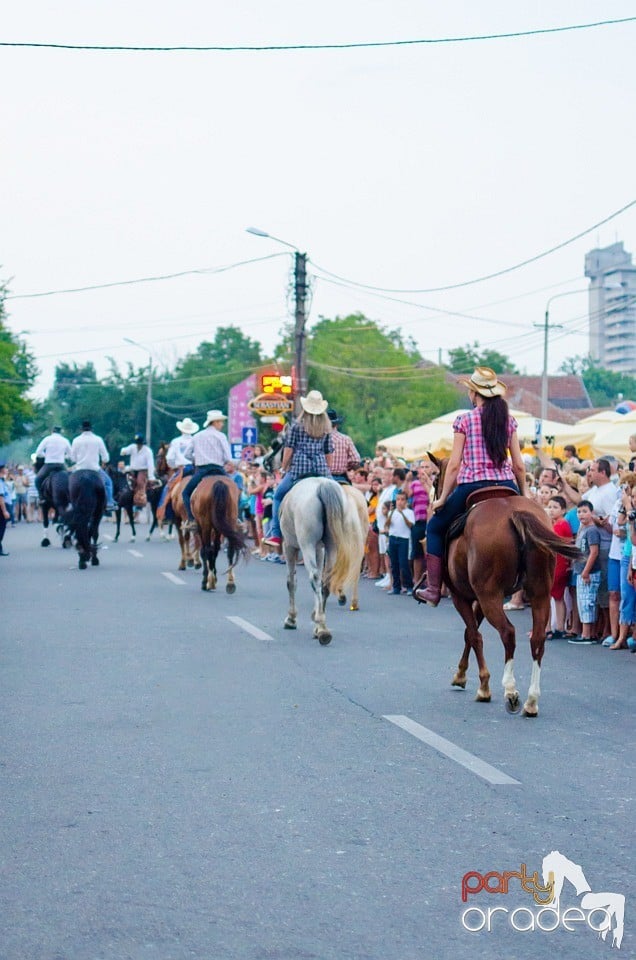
{"points": [[206, 470], [628, 594], [283, 487], [108, 484], [399, 557], [454, 506]]}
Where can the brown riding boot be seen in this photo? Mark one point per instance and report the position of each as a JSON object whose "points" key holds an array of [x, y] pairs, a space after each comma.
{"points": [[434, 571]]}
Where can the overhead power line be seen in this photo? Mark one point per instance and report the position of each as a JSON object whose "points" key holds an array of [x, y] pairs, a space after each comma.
{"points": [[128, 283], [265, 48], [489, 276]]}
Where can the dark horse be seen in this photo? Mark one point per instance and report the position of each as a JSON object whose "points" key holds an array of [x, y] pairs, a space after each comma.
{"points": [[88, 499], [54, 496], [123, 494], [503, 543], [215, 508]]}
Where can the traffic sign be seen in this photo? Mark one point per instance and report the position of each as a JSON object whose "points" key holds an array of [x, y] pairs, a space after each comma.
{"points": [[249, 435], [236, 450]]}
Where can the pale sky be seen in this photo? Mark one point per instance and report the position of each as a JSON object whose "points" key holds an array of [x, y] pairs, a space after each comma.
{"points": [[404, 168]]}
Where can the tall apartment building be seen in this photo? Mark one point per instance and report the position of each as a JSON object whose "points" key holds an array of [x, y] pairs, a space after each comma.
{"points": [[612, 308]]}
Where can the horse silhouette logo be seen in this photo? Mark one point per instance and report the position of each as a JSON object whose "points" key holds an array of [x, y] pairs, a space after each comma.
{"points": [[556, 869]]}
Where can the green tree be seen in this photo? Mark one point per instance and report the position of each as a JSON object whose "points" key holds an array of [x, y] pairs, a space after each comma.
{"points": [[465, 359], [373, 378], [17, 375], [605, 387]]}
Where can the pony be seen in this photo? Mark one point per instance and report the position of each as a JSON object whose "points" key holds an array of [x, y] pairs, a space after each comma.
{"points": [[324, 523], [503, 543], [88, 499], [54, 495], [215, 507]]}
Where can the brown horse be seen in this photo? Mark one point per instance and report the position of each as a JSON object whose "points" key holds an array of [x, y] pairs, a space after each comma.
{"points": [[503, 543], [215, 507], [188, 542]]}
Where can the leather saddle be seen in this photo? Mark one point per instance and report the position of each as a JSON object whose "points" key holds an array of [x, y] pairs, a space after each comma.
{"points": [[477, 496]]}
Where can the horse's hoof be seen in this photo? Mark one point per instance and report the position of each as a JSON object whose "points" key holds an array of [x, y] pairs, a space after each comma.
{"points": [[181, 566], [484, 698], [204, 586], [289, 624], [324, 639], [230, 588], [147, 538], [190, 563], [532, 714], [458, 683], [513, 703], [198, 566], [67, 542], [341, 600], [94, 561], [45, 542], [354, 607], [82, 564]]}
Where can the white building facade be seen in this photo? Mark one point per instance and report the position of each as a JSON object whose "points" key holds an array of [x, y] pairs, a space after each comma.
{"points": [[612, 308]]}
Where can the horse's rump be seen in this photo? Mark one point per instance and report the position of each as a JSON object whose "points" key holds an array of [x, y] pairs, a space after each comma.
{"points": [[215, 507]]}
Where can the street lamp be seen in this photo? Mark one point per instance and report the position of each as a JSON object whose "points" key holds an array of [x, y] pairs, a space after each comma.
{"points": [[149, 392], [300, 318]]}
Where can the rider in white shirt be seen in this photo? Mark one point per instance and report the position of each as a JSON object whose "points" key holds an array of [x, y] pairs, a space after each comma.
{"points": [[178, 463], [55, 449], [209, 451], [141, 456], [87, 450]]}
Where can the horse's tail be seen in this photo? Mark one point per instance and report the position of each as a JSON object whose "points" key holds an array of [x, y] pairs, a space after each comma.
{"points": [[531, 528], [87, 504], [220, 518], [336, 534]]}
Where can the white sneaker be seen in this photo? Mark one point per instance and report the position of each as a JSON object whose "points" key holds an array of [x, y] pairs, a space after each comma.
{"points": [[384, 582]]}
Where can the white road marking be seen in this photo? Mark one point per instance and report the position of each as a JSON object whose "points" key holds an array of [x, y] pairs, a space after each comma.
{"points": [[171, 577], [135, 553], [107, 536], [249, 628], [452, 751]]}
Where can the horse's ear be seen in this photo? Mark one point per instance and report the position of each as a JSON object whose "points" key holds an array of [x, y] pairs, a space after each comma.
{"points": [[433, 459]]}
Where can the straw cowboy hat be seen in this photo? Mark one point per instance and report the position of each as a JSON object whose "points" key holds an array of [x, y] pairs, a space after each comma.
{"points": [[484, 382], [187, 426], [313, 402], [213, 416]]}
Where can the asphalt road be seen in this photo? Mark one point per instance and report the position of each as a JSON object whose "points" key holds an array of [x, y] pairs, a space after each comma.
{"points": [[178, 784]]}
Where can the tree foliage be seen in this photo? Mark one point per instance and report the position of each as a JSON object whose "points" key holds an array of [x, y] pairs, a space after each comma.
{"points": [[17, 375], [605, 387], [373, 377], [465, 359]]}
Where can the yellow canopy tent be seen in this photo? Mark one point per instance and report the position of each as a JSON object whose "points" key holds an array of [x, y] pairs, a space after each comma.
{"points": [[612, 437], [437, 436]]}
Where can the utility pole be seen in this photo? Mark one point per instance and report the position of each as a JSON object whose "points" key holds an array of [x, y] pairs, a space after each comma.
{"points": [[149, 403], [300, 358]]}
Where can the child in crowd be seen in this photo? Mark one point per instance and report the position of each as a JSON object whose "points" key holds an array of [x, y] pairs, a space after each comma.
{"points": [[556, 512], [588, 571]]}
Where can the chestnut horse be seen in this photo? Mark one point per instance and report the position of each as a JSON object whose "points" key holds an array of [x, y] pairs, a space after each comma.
{"points": [[503, 543], [215, 507], [188, 542]]}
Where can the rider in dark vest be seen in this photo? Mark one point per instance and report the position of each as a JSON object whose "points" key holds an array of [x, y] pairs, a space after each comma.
{"points": [[483, 438]]}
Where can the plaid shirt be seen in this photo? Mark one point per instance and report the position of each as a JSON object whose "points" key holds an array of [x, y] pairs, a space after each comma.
{"points": [[344, 453], [309, 453], [476, 464]]}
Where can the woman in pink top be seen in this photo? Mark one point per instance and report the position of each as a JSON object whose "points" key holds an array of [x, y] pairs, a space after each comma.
{"points": [[479, 458]]}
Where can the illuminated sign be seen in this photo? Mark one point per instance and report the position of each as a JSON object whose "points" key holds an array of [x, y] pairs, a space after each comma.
{"points": [[276, 383], [271, 404]]}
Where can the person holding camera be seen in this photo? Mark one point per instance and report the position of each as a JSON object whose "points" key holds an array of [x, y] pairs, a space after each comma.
{"points": [[625, 529]]}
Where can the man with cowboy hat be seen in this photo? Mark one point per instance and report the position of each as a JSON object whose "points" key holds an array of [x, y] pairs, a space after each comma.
{"points": [[308, 452], [345, 454], [178, 463], [209, 450], [142, 467]]}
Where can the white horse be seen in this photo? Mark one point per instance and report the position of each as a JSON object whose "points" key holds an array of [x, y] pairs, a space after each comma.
{"points": [[322, 520], [557, 868]]}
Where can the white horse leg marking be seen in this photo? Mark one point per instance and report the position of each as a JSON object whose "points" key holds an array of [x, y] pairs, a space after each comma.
{"points": [[508, 681], [531, 706]]}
